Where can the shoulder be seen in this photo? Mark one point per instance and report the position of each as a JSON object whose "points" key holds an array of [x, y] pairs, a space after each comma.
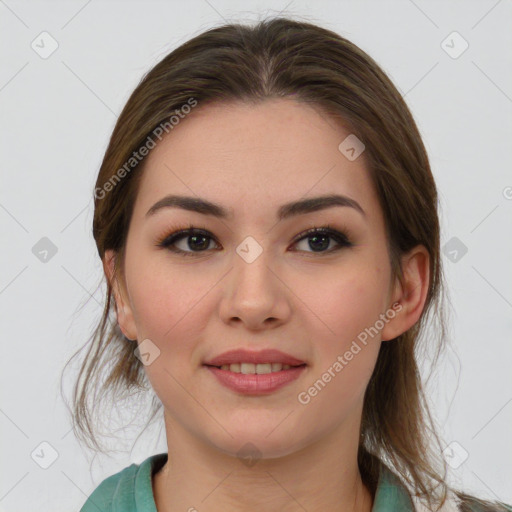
{"points": [[393, 494], [102, 498], [117, 492], [467, 503], [458, 502]]}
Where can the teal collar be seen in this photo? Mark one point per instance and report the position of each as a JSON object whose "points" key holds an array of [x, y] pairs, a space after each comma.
{"points": [[391, 494]]}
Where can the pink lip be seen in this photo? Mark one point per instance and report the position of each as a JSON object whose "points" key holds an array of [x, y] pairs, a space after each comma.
{"points": [[256, 357], [256, 384]]}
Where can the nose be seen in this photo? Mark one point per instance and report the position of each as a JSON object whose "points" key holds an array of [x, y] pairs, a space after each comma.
{"points": [[254, 294]]}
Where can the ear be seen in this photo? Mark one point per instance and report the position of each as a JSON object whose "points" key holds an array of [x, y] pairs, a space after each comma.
{"points": [[411, 295], [124, 311]]}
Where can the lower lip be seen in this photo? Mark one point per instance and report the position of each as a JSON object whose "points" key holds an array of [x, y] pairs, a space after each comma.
{"points": [[256, 384]]}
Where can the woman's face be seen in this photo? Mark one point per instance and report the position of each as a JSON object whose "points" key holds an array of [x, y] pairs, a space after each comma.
{"points": [[248, 284]]}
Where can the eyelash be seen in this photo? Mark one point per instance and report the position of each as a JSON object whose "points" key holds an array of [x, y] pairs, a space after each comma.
{"points": [[168, 240]]}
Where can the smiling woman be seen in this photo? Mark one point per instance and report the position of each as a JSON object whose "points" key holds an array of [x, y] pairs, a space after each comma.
{"points": [[282, 241]]}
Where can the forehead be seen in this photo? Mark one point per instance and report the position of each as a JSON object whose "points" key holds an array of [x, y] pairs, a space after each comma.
{"points": [[249, 156]]}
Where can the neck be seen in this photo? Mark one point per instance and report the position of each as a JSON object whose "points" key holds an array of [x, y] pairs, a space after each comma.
{"points": [[319, 477]]}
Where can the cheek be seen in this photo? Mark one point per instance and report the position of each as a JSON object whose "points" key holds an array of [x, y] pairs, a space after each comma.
{"points": [[345, 330], [346, 304], [345, 353], [167, 303], [169, 311]]}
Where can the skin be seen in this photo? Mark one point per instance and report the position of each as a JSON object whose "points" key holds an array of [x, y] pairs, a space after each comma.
{"points": [[312, 305]]}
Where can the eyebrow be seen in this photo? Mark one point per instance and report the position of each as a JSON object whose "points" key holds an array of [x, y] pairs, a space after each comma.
{"points": [[195, 204]]}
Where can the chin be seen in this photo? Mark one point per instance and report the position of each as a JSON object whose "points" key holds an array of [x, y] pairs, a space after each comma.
{"points": [[254, 444]]}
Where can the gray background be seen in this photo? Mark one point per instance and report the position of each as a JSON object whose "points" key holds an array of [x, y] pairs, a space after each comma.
{"points": [[57, 116]]}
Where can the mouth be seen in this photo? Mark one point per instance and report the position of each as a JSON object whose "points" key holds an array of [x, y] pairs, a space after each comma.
{"points": [[255, 369], [250, 361], [250, 372]]}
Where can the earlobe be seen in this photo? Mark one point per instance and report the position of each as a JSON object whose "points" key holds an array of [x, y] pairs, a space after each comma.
{"points": [[123, 311], [409, 295]]}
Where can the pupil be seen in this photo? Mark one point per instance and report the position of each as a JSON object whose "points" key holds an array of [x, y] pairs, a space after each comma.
{"points": [[195, 238], [315, 238]]}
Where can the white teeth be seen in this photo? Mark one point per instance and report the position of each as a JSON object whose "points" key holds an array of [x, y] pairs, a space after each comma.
{"points": [[263, 368], [247, 368], [251, 368]]}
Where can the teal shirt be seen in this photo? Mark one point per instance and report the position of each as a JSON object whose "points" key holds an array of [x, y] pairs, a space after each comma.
{"points": [[131, 490]]}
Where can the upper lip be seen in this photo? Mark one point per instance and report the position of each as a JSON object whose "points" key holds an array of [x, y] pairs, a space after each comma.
{"points": [[255, 357]]}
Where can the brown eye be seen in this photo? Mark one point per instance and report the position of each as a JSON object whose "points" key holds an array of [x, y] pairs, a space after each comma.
{"points": [[194, 241], [319, 239]]}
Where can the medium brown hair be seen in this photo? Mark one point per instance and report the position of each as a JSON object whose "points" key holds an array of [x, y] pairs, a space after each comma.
{"points": [[281, 58]]}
